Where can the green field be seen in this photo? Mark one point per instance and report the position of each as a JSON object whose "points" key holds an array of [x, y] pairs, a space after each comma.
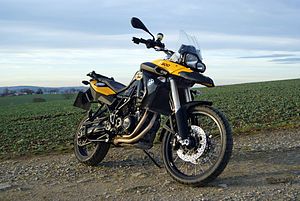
{"points": [[13, 100], [258, 106], [50, 125]]}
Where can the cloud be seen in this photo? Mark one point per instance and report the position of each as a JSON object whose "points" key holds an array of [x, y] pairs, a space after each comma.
{"points": [[255, 17], [22, 34], [247, 42], [64, 35], [267, 56], [263, 25], [279, 58], [295, 60]]}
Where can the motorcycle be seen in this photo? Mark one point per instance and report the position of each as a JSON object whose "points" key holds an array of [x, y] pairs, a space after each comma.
{"points": [[196, 139]]}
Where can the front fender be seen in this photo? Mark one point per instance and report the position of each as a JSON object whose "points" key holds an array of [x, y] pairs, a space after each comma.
{"points": [[188, 105], [166, 127]]}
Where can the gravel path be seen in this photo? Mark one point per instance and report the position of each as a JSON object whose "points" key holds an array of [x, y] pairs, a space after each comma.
{"points": [[264, 166]]}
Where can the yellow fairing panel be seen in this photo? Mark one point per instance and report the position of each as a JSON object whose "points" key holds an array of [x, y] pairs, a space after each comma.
{"points": [[102, 90], [171, 67]]}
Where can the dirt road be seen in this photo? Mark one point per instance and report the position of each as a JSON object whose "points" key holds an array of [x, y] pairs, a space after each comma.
{"points": [[264, 166]]}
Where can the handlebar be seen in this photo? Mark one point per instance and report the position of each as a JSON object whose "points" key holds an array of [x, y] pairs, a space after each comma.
{"points": [[150, 43]]}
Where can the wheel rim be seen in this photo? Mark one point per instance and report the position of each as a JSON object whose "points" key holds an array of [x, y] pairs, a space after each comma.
{"points": [[85, 148], [202, 158]]}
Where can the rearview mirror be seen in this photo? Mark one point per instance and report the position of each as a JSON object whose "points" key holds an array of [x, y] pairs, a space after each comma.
{"points": [[138, 24]]}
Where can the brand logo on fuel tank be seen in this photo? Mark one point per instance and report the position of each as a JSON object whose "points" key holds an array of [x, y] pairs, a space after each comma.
{"points": [[150, 82], [163, 64]]}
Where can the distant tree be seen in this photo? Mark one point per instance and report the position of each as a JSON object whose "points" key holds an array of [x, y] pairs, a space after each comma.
{"points": [[5, 92], [54, 91], [82, 90], [47, 91], [73, 90], [28, 91], [39, 91]]}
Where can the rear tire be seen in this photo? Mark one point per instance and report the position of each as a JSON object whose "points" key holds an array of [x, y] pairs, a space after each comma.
{"points": [[91, 154], [211, 151]]}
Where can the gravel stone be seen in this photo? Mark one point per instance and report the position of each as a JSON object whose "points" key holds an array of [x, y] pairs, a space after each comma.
{"points": [[5, 186], [264, 166]]}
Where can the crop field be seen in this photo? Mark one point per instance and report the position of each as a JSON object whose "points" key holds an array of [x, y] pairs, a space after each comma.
{"points": [[13, 100], [46, 126], [258, 106]]}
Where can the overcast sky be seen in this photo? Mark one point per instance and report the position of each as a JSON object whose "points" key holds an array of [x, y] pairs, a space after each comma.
{"points": [[56, 43]]}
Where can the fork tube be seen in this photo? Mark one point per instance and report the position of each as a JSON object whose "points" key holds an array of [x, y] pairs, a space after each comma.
{"points": [[188, 95], [175, 95], [181, 117]]}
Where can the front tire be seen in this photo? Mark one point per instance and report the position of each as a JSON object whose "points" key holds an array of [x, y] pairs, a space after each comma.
{"points": [[91, 154], [209, 154]]}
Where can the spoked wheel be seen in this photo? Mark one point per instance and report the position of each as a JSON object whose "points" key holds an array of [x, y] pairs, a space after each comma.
{"points": [[89, 153], [208, 153]]}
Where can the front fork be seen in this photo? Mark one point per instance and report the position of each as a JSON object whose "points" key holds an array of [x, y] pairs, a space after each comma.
{"points": [[180, 113]]}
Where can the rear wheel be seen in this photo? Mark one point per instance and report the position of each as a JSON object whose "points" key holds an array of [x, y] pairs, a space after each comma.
{"points": [[89, 153], [208, 153]]}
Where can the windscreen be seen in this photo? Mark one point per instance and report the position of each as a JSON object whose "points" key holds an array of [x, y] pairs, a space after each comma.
{"points": [[186, 39]]}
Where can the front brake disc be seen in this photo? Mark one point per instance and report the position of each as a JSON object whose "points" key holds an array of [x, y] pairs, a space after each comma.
{"points": [[191, 155]]}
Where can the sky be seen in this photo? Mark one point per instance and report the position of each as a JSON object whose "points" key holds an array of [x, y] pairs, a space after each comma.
{"points": [[56, 43]]}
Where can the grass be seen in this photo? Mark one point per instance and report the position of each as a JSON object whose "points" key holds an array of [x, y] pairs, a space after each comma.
{"points": [[258, 106], [47, 126], [13, 100]]}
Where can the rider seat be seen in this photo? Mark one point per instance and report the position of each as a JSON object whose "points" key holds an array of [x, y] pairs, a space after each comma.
{"points": [[110, 82], [116, 86]]}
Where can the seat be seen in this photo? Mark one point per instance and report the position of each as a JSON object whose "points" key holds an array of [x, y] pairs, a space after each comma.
{"points": [[110, 82], [116, 86]]}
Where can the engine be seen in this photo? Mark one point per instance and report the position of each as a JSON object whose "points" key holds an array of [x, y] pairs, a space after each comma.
{"points": [[127, 118], [126, 124]]}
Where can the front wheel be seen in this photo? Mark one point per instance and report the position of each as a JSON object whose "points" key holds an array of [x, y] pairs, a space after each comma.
{"points": [[208, 152]]}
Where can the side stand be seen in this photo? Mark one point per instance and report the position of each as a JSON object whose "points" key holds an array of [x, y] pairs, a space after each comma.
{"points": [[152, 159]]}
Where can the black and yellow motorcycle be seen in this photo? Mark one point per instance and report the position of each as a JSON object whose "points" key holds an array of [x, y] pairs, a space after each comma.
{"points": [[196, 138]]}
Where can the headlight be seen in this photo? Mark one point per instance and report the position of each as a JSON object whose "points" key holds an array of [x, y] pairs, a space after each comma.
{"points": [[201, 67], [193, 61]]}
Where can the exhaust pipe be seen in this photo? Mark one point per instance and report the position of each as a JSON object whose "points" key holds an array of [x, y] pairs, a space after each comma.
{"points": [[134, 139], [138, 127]]}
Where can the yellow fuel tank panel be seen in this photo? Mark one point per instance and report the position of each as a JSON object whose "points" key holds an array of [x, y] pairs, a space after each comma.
{"points": [[171, 67]]}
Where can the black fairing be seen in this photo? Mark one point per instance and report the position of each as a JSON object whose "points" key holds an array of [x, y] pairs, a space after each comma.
{"points": [[151, 67], [197, 78], [157, 96]]}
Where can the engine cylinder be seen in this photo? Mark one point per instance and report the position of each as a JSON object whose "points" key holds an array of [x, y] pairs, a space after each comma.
{"points": [[128, 123]]}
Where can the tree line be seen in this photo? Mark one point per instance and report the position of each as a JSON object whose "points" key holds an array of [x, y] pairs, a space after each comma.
{"points": [[25, 91]]}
